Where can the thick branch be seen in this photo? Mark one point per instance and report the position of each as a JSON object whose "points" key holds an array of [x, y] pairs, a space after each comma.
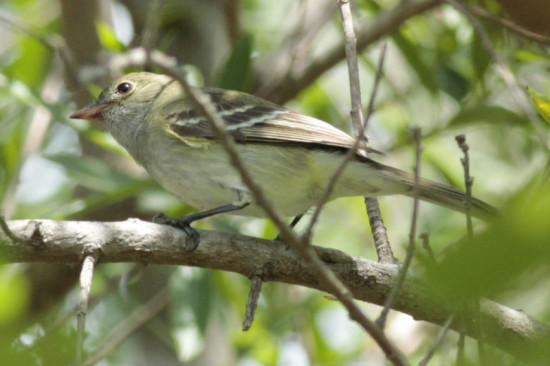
{"points": [[138, 241]]}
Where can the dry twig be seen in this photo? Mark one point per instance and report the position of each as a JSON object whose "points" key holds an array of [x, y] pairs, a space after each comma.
{"points": [[86, 276], [439, 339], [252, 302], [381, 321]]}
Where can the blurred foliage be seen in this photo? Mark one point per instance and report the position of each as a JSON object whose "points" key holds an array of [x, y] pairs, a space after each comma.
{"points": [[524, 223], [542, 104], [236, 71], [108, 38], [438, 75]]}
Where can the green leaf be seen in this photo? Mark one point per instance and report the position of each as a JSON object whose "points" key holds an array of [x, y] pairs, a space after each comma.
{"points": [[452, 82], [513, 248], [236, 72], [541, 103], [410, 51], [108, 38], [481, 59], [31, 63], [14, 292]]}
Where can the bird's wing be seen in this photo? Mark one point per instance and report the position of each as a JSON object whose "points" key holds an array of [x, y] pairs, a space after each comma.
{"points": [[251, 119]]}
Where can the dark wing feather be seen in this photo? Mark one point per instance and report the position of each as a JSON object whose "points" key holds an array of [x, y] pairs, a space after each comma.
{"points": [[251, 119], [297, 128]]}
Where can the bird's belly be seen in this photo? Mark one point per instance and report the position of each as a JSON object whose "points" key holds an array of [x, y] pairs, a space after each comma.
{"points": [[205, 179], [205, 192]]}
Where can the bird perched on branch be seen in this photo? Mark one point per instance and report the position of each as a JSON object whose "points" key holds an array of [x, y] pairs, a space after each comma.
{"points": [[291, 156]]}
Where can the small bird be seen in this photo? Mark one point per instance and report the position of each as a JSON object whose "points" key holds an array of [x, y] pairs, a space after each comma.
{"points": [[291, 156]]}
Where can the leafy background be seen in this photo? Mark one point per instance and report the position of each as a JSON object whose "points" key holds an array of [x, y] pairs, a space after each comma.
{"points": [[438, 75]]}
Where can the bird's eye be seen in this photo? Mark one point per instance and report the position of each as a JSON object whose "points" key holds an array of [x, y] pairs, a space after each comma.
{"points": [[124, 88]]}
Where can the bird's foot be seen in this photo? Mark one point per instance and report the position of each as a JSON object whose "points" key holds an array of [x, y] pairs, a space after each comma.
{"points": [[182, 223]]}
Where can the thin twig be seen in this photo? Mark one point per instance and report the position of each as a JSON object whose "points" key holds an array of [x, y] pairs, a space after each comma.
{"points": [[359, 124], [355, 91], [330, 188], [468, 182], [86, 276], [379, 233], [130, 324], [350, 45], [334, 285], [109, 288], [438, 340], [381, 321], [386, 23], [377, 78], [381, 240], [288, 48], [294, 50], [306, 29], [252, 302], [426, 245]]}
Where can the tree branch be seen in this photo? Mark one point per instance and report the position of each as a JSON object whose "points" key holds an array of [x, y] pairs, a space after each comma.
{"points": [[138, 241], [506, 24], [86, 276], [386, 23], [360, 125]]}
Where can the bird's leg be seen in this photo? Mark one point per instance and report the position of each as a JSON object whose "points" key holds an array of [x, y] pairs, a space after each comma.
{"points": [[292, 224], [184, 223], [296, 220]]}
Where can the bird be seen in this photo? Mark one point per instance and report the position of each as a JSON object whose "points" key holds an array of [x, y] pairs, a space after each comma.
{"points": [[291, 156]]}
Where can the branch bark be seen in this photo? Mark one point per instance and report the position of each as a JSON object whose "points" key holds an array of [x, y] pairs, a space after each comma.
{"points": [[138, 241]]}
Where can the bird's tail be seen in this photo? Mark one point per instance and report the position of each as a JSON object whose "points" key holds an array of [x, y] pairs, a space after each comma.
{"points": [[440, 194]]}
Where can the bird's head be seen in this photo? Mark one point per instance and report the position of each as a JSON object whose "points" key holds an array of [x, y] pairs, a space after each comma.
{"points": [[132, 91]]}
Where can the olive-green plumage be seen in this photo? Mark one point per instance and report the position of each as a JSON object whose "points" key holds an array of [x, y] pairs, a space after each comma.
{"points": [[291, 156]]}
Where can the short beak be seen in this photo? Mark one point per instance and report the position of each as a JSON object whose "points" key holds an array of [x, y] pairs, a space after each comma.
{"points": [[94, 111]]}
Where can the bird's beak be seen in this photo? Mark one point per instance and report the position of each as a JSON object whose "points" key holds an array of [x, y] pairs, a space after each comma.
{"points": [[93, 111]]}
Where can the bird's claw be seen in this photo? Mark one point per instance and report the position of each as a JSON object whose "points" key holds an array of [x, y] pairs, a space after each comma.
{"points": [[184, 224]]}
